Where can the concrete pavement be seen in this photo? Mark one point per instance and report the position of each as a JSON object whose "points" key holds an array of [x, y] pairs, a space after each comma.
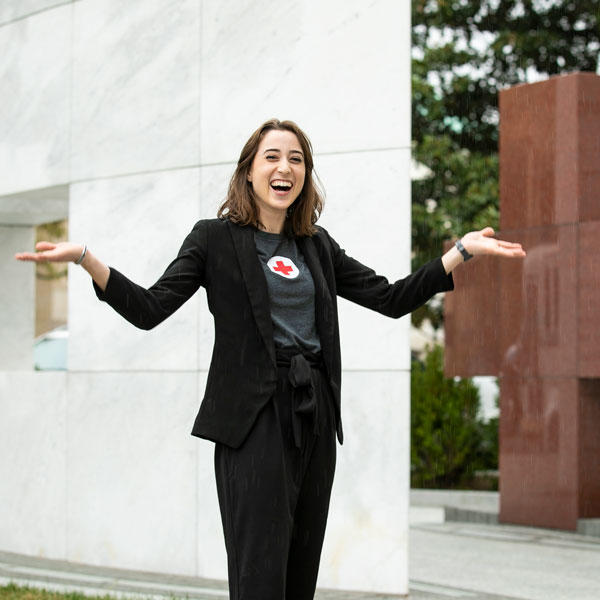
{"points": [[471, 561]]}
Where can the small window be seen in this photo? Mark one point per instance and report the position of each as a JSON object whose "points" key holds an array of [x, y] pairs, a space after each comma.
{"points": [[51, 333]]}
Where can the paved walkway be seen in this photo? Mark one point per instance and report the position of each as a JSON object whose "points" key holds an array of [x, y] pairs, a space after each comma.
{"points": [[468, 561]]}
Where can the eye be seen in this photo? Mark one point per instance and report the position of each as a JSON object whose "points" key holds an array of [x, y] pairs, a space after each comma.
{"points": [[296, 159], [271, 157]]}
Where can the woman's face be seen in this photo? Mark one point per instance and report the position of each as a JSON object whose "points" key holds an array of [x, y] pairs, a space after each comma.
{"points": [[277, 172]]}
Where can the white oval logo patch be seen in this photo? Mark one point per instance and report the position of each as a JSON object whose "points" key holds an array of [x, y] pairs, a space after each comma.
{"points": [[283, 266]]}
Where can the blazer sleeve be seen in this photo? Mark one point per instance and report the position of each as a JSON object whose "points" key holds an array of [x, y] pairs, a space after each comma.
{"points": [[360, 284], [146, 308]]}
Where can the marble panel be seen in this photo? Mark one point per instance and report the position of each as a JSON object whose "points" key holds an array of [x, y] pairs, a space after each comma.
{"points": [[34, 207], [589, 449], [366, 543], [538, 304], [588, 99], [368, 214], [35, 71], [32, 469], [131, 465], [549, 149], [528, 128], [136, 110], [539, 451], [471, 318], [136, 224], [10, 10], [341, 70], [588, 300], [17, 300]]}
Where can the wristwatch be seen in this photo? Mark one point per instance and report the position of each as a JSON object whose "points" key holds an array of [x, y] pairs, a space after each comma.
{"points": [[466, 254]]}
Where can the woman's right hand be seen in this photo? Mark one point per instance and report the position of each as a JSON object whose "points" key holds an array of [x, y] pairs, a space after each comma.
{"points": [[49, 252]]}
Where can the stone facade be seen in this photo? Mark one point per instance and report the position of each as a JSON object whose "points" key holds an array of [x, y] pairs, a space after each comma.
{"points": [[127, 118]]}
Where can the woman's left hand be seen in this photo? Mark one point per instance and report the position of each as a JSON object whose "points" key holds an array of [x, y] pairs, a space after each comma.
{"points": [[483, 242], [478, 243]]}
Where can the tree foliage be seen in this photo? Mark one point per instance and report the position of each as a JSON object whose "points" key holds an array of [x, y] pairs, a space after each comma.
{"points": [[449, 441], [51, 232], [464, 53]]}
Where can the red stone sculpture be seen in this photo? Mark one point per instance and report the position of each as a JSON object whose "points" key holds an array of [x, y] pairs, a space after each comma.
{"points": [[535, 322]]}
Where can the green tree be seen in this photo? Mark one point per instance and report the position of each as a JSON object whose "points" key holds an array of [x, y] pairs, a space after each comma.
{"points": [[464, 52], [449, 441]]}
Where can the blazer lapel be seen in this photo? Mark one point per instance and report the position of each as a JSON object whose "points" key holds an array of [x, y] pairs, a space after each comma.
{"points": [[324, 309], [256, 284]]}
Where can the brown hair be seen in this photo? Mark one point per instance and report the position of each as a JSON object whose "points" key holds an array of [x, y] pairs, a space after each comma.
{"points": [[240, 205]]}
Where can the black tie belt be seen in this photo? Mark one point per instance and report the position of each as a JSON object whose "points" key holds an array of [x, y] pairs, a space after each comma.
{"points": [[305, 403]]}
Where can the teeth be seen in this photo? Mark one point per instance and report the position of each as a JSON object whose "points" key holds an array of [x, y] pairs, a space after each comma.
{"points": [[282, 183]]}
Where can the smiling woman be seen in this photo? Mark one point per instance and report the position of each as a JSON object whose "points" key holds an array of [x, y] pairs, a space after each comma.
{"points": [[272, 403], [282, 196]]}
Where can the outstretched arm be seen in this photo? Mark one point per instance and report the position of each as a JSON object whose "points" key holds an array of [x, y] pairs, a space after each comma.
{"points": [[69, 252], [144, 308], [481, 242]]}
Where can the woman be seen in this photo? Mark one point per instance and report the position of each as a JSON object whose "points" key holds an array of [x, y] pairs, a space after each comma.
{"points": [[272, 399]]}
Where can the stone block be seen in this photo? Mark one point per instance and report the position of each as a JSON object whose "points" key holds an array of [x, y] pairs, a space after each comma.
{"points": [[126, 223], [135, 86], [131, 465], [366, 542], [32, 473], [368, 220], [35, 70], [322, 70], [549, 171]]}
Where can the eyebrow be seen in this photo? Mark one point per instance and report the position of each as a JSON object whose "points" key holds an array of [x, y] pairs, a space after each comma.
{"points": [[278, 150]]}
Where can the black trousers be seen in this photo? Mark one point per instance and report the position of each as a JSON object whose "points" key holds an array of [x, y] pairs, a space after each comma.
{"points": [[274, 493]]}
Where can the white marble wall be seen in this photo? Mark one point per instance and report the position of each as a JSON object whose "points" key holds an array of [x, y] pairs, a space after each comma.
{"points": [[136, 224], [35, 76], [131, 464], [136, 78], [366, 543], [33, 474], [141, 108], [12, 10], [16, 301]]}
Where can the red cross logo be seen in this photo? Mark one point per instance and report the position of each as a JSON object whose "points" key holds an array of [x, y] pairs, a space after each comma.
{"points": [[283, 266]]}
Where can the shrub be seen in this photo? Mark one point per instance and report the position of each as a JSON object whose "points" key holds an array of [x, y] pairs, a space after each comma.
{"points": [[449, 442]]}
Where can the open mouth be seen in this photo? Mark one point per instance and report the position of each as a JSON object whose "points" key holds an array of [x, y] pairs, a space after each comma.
{"points": [[281, 186]]}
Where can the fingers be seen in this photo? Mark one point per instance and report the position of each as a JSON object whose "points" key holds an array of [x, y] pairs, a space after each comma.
{"points": [[45, 246], [30, 256], [487, 231], [505, 244], [510, 250], [39, 256]]}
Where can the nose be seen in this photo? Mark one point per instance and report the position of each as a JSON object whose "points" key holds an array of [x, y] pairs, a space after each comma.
{"points": [[284, 166]]}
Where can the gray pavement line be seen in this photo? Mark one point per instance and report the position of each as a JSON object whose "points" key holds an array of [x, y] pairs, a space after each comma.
{"points": [[439, 590], [594, 547], [109, 585], [89, 590], [12, 560], [525, 537], [19, 570], [109, 580]]}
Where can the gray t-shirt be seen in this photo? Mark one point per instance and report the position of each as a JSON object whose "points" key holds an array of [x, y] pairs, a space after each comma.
{"points": [[291, 291]]}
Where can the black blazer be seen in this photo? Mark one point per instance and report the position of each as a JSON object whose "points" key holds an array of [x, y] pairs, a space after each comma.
{"points": [[221, 256]]}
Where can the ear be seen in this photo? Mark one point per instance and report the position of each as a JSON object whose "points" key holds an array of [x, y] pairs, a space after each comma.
{"points": [[249, 176]]}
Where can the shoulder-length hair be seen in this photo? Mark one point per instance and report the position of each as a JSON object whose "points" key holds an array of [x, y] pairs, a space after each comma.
{"points": [[240, 205]]}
